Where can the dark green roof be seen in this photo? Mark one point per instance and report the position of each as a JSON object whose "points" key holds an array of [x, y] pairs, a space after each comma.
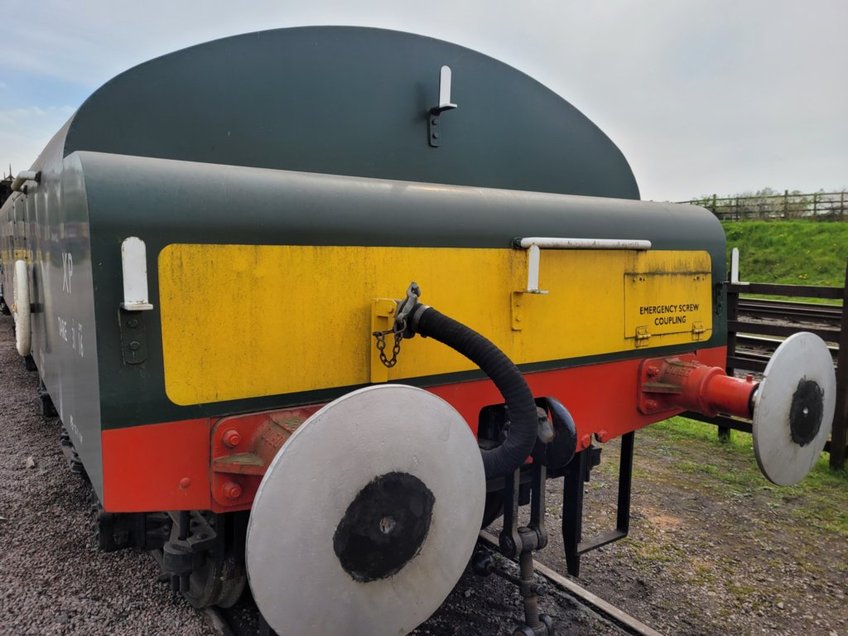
{"points": [[352, 101]]}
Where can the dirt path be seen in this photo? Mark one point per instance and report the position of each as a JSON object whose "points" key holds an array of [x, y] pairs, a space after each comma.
{"points": [[52, 578], [714, 548]]}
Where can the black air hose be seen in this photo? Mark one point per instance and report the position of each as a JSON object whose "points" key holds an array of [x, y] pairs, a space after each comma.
{"points": [[521, 407]]}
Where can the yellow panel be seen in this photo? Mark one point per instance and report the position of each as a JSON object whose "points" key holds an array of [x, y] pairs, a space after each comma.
{"points": [[662, 302], [242, 321]]}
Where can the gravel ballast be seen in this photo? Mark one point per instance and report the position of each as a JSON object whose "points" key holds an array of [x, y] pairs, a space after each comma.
{"points": [[53, 578]]}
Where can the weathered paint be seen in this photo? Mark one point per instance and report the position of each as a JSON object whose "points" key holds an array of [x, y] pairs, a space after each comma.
{"points": [[299, 318], [145, 466], [183, 202]]}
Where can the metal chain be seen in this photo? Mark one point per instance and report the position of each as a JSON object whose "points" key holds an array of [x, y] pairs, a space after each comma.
{"points": [[398, 327], [381, 346]]}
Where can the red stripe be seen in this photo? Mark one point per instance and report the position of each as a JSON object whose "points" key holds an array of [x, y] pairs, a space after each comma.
{"points": [[166, 466]]}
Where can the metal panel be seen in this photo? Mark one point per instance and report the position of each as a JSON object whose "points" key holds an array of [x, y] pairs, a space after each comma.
{"points": [[299, 320], [352, 101], [183, 202]]}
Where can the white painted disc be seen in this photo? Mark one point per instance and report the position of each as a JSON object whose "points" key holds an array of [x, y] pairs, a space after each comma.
{"points": [[21, 309], [294, 562], [793, 408]]}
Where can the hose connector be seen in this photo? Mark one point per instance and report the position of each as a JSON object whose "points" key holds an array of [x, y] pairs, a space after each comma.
{"points": [[520, 405]]}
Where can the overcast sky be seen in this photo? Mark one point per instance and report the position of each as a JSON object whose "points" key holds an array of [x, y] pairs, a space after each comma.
{"points": [[702, 96]]}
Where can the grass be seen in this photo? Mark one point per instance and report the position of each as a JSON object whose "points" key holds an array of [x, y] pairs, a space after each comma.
{"points": [[790, 252], [820, 500]]}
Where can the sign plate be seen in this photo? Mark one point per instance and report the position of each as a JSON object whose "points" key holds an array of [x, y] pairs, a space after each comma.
{"points": [[665, 303]]}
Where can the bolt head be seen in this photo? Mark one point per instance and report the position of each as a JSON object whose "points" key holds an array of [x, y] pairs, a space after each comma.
{"points": [[232, 490], [650, 404], [652, 371], [231, 438]]}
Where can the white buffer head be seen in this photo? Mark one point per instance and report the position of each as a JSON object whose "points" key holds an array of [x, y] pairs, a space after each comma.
{"points": [[368, 515], [793, 408]]}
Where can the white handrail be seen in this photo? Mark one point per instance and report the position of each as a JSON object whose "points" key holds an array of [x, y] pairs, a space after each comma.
{"points": [[534, 243], [557, 243]]}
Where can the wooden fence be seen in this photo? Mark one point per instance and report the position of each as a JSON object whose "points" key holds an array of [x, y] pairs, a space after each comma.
{"points": [[820, 206]]}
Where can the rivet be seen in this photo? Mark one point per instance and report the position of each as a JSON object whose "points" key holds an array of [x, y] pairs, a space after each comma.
{"points": [[602, 436], [134, 345], [652, 371], [650, 404], [185, 482], [585, 441]]}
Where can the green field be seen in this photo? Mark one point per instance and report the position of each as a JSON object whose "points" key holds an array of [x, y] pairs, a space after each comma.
{"points": [[790, 252], [818, 483]]}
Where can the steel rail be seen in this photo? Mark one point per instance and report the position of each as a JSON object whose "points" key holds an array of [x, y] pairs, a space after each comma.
{"points": [[230, 622], [790, 310], [606, 609]]}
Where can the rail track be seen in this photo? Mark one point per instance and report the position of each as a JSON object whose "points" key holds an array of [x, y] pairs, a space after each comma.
{"points": [[792, 311], [761, 325], [244, 619]]}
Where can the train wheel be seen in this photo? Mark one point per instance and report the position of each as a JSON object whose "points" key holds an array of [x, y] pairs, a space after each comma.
{"points": [[216, 580]]}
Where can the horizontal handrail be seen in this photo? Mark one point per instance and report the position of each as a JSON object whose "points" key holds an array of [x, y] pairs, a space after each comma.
{"points": [[557, 243]]}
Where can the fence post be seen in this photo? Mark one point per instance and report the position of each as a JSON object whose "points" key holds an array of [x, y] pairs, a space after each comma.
{"points": [[714, 203], [732, 314], [786, 204], [840, 416], [842, 204], [815, 203]]}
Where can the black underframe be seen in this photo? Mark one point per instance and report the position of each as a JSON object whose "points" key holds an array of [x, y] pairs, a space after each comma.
{"points": [[576, 474]]}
